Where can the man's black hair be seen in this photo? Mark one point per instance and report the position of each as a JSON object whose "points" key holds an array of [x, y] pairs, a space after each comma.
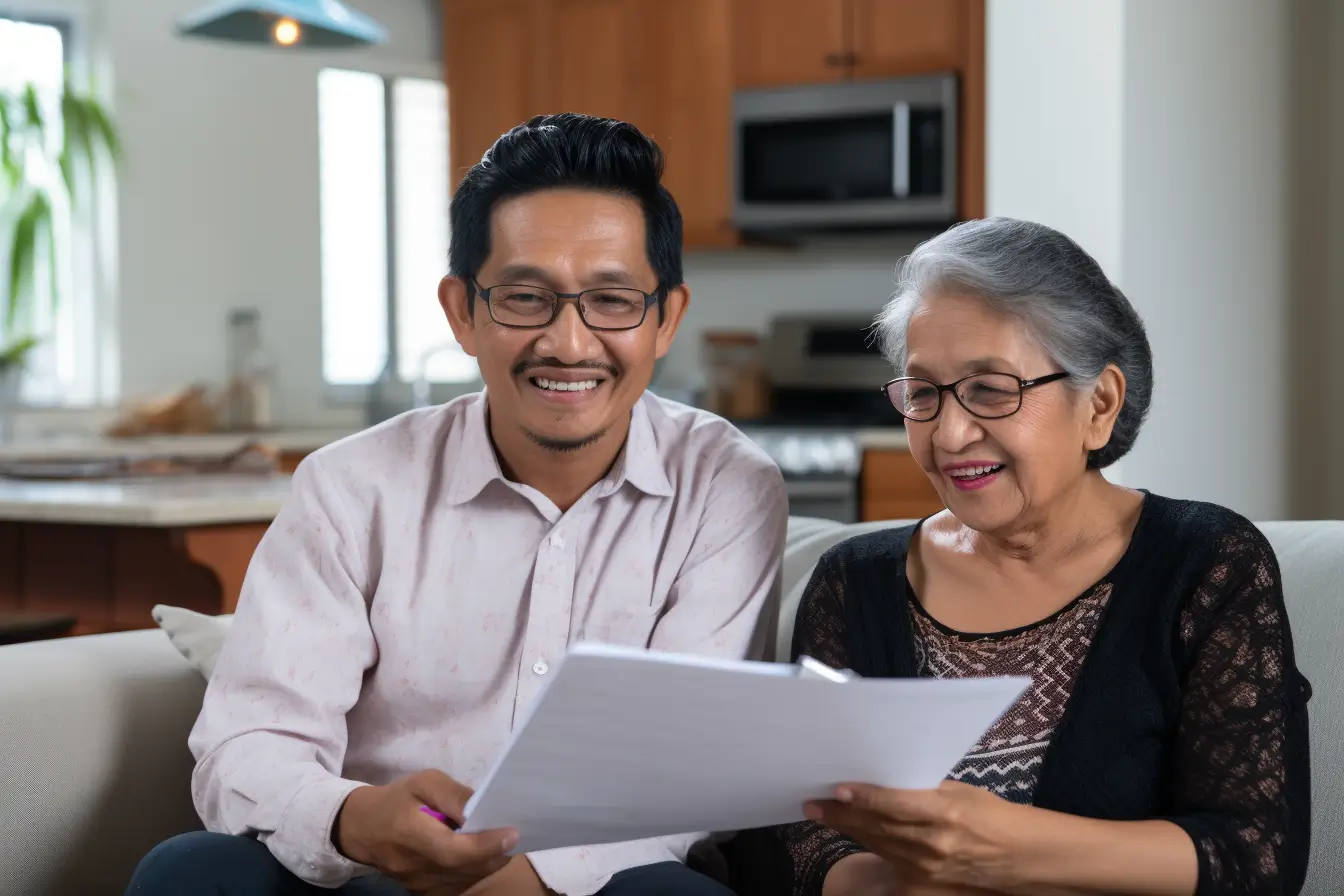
{"points": [[567, 150]]}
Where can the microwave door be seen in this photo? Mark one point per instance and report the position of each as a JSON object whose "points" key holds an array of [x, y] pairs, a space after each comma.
{"points": [[856, 155]]}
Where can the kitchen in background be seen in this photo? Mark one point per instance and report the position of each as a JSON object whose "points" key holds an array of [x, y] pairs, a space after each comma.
{"points": [[809, 394]]}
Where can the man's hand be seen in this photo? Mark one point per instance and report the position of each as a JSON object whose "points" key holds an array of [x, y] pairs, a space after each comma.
{"points": [[384, 828]]}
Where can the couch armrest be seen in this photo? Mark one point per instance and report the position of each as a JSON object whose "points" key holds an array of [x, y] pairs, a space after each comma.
{"points": [[94, 768]]}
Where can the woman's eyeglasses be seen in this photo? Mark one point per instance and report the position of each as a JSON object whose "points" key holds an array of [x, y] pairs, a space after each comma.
{"points": [[985, 395]]}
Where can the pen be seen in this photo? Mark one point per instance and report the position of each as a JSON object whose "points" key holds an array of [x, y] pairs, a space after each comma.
{"points": [[438, 815]]}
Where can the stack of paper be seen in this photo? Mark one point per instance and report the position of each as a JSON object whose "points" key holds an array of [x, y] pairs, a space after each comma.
{"points": [[625, 744]]}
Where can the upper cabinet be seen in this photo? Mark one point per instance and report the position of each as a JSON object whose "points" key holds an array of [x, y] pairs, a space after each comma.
{"points": [[671, 68], [786, 42], [789, 41], [495, 79]]}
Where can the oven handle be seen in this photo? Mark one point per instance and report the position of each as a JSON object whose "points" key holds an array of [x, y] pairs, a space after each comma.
{"points": [[900, 156], [828, 487]]}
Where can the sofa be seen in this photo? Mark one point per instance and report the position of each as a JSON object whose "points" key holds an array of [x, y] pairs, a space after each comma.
{"points": [[94, 768]]}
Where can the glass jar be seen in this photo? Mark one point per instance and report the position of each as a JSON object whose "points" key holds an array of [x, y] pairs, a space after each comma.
{"points": [[735, 381]]}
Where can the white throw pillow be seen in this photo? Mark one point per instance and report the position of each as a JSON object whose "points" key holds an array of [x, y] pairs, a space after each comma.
{"points": [[196, 636]]}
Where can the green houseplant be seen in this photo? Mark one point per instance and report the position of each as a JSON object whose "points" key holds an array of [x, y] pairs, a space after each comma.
{"points": [[52, 151]]}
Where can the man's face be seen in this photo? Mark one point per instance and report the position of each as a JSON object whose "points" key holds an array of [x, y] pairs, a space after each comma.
{"points": [[564, 384]]}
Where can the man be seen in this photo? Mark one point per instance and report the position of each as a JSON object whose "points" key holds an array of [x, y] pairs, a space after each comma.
{"points": [[404, 609]]}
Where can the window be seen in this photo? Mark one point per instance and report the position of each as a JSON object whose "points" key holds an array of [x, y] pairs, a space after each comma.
{"points": [[382, 260], [74, 363]]}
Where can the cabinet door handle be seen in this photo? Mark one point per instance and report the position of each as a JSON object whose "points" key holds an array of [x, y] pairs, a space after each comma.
{"points": [[835, 59]]}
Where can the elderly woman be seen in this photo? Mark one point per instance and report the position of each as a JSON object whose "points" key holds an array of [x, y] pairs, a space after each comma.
{"points": [[1162, 746]]}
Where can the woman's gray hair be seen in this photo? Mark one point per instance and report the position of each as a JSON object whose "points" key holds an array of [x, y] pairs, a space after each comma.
{"points": [[1046, 280]]}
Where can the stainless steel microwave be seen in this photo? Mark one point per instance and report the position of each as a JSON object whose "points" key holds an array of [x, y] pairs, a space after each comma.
{"points": [[846, 155]]}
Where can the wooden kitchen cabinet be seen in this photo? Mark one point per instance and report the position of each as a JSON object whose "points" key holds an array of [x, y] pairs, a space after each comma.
{"points": [[497, 72], [690, 113], [890, 38], [790, 42], [671, 68], [785, 42], [594, 57], [893, 487]]}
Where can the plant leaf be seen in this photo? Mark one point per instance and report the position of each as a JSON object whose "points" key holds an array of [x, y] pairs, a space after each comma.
{"points": [[32, 110], [35, 218], [102, 125], [9, 162], [16, 350], [75, 145]]}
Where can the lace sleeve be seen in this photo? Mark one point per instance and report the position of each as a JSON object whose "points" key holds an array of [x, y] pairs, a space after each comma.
{"points": [[820, 633], [1241, 784]]}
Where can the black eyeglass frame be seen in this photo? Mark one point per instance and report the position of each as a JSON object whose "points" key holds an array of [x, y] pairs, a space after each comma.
{"points": [[483, 292], [1022, 387]]}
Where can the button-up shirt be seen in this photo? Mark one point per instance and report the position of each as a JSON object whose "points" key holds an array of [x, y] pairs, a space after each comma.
{"points": [[404, 608]]}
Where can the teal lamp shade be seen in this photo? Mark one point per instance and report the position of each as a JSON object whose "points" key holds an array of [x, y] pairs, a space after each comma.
{"points": [[284, 23]]}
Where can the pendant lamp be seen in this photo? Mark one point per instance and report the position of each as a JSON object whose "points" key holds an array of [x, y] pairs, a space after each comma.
{"points": [[284, 23]]}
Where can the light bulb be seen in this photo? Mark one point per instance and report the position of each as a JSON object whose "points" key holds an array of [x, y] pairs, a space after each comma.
{"points": [[286, 32]]}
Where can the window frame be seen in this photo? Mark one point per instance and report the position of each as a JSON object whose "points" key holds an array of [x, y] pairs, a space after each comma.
{"points": [[79, 23], [390, 389]]}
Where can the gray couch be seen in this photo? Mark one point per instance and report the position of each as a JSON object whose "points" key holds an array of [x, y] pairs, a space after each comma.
{"points": [[94, 767]]}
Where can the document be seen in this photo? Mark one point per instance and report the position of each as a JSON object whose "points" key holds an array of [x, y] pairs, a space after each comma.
{"points": [[625, 743]]}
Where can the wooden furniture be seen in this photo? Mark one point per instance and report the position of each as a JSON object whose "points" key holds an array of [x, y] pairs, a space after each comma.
{"points": [[18, 628], [893, 487], [109, 577], [670, 68], [106, 552]]}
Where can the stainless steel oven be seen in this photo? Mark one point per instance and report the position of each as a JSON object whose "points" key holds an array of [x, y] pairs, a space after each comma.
{"points": [[846, 155]]}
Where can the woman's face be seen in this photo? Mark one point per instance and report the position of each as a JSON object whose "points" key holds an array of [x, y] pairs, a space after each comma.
{"points": [[1034, 455]]}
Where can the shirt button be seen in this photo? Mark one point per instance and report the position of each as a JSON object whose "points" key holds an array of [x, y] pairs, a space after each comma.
{"points": [[557, 541], [540, 667]]}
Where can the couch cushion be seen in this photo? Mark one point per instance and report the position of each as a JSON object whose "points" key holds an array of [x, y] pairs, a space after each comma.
{"points": [[95, 768], [196, 636]]}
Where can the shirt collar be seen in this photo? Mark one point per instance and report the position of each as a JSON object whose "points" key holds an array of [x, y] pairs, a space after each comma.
{"points": [[640, 462], [475, 465], [472, 461]]}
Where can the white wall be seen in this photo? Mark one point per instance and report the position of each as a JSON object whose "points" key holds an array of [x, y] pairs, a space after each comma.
{"points": [[219, 197], [1206, 245], [1054, 118], [1158, 135]]}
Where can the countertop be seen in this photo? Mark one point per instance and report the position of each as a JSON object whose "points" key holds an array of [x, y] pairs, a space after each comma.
{"points": [[211, 445], [177, 501], [193, 500]]}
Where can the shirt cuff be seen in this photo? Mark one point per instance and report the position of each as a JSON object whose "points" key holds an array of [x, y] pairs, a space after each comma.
{"points": [[302, 840]]}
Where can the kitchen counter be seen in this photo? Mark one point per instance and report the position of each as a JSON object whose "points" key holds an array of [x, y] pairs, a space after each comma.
{"points": [[206, 500], [96, 447]]}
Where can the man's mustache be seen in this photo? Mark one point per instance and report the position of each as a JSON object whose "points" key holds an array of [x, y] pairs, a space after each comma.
{"points": [[536, 363]]}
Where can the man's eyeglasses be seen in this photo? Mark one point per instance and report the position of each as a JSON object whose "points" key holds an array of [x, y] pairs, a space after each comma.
{"points": [[532, 307], [985, 395]]}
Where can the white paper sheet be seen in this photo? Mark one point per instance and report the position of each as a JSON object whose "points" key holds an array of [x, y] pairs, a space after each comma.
{"points": [[625, 744]]}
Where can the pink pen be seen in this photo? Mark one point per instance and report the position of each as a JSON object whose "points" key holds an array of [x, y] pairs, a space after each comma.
{"points": [[439, 815]]}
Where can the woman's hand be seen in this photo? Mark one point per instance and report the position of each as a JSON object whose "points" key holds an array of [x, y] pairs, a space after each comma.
{"points": [[957, 835]]}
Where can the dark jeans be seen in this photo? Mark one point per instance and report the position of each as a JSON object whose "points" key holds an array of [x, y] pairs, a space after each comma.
{"points": [[206, 864]]}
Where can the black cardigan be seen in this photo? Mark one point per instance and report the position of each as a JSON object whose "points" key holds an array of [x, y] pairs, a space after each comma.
{"points": [[1189, 706]]}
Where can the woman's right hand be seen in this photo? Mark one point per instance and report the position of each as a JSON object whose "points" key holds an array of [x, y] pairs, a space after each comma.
{"points": [[383, 827]]}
